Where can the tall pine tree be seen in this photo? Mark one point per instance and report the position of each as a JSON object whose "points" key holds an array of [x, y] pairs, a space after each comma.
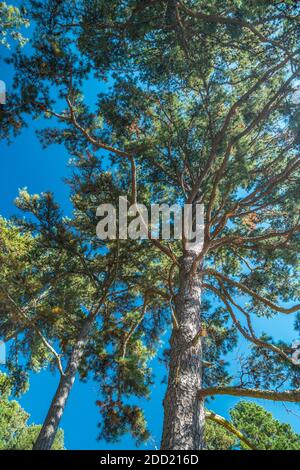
{"points": [[202, 108]]}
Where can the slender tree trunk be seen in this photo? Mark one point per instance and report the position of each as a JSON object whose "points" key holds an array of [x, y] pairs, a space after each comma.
{"points": [[184, 415], [56, 410]]}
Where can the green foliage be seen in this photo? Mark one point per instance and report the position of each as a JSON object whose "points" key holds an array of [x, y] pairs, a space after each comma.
{"points": [[15, 432], [11, 20], [257, 425], [217, 437], [204, 105], [35, 255], [266, 432]]}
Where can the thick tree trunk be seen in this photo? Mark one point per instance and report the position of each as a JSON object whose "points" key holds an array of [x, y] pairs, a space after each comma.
{"points": [[57, 407], [184, 415]]}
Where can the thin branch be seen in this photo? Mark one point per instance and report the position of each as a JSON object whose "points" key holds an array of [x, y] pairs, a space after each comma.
{"points": [[265, 111], [234, 21], [249, 336], [22, 312], [253, 294], [90, 138], [134, 328]]}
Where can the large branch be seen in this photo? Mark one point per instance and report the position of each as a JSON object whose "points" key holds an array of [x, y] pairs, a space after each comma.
{"points": [[230, 427], [292, 396]]}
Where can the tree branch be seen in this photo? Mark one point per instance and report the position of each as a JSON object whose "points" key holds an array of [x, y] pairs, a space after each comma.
{"points": [[292, 396], [253, 294], [233, 21], [230, 427], [22, 312], [249, 336]]}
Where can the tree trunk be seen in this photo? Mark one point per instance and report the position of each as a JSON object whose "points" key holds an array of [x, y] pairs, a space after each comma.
{"points": [[184, 414], [56, 410]]}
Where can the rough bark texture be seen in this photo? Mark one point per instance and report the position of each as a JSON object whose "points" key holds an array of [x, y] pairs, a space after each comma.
{"points": [[55, 412], [184, 414]]}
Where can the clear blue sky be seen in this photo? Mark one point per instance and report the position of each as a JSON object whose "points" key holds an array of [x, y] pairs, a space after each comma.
{"points": [[25, 163]]}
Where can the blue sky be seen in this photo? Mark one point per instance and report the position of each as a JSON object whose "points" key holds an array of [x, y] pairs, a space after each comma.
{"points": [[25, 164]]}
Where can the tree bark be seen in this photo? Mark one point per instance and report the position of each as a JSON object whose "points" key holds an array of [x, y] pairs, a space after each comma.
{"points": [[184, 415], [49, 429]]}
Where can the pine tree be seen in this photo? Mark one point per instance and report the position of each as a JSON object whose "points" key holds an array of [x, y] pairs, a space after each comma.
{"points": [[15, 432], [202, 109], [251, 426]]}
